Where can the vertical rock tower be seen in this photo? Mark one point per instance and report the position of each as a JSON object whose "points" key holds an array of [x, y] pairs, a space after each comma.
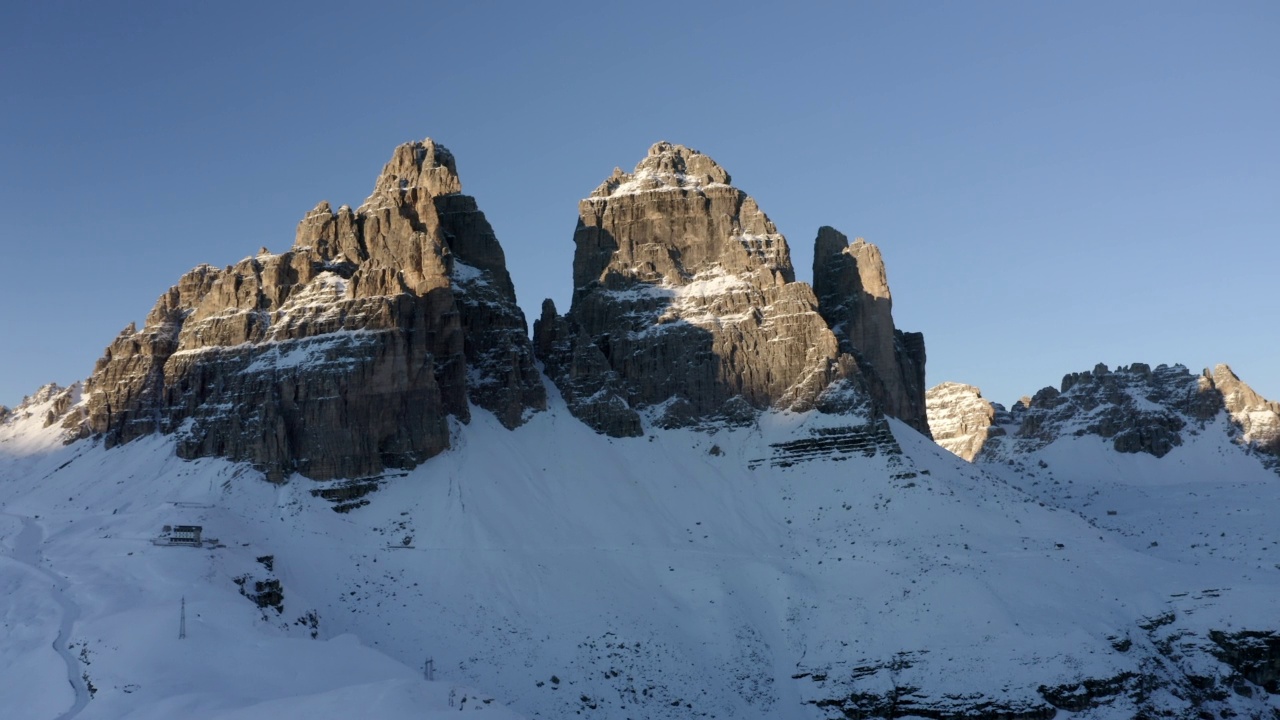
{"points": [[685, 306], [853, 296], [348, 354], [344, 355]]}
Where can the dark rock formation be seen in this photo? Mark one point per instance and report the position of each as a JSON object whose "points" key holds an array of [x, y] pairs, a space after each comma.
{"points": [[853, 296], [1137, 408], [1169, 670], [834, 443], [344, 355], [685, 306], [1255, 654]]}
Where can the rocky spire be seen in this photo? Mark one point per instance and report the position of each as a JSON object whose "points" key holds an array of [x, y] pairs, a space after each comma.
{"points": [[685, 305], [1256, 418], [697, 223], [853, 296], [342, 356]]}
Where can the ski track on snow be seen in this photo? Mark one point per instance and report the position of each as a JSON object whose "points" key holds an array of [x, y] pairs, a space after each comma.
{"points": [[27, 552]]}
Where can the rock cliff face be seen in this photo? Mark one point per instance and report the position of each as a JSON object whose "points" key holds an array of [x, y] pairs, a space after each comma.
{"points": [[685, 307], [344, 355], [1257, 418], [348, 353], [961, 419], [853, 296], [1137, 408]]}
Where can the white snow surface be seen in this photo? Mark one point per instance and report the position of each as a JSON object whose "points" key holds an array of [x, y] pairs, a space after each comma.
{"points": [[646, 180], [553, 572]]}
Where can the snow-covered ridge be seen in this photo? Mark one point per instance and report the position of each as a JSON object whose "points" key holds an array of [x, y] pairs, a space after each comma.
{"points": [[667, 168], [36, 424], [656, 181]]}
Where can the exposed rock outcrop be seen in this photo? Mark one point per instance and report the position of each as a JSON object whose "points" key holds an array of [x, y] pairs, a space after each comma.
{"points": [[961, 419], [685, 306], [344, 355], [1137, 408], [49, 404], [1173, 670], [1257, 418], [853, 296]]}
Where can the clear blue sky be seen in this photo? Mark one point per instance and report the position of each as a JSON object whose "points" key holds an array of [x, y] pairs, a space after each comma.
{"points": [[1052, 184]]}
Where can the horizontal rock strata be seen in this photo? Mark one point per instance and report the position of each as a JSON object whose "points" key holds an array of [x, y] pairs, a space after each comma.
{"points": [[686, 308], [344, 355]]}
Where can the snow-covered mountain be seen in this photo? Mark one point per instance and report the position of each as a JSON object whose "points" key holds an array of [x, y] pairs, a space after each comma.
{"points": [[786, 569], [681, 519]]}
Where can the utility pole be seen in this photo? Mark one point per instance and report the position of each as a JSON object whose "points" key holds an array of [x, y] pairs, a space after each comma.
{"points": [[182, 620], [429, 669]]}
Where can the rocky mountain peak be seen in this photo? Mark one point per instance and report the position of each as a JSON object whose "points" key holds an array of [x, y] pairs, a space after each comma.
{"points": [[348, 353], [50, 404], [416, 170], [960, 419], [1257, 418], [685, 307], [344, 355], [1139, 409], [675, 217], [666, 167]]}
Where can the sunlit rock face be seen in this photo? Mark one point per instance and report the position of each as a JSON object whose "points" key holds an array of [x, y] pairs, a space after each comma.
{"points": [[49, 404], [1138, 408], [685, 306], [1256, 418], [341, 357], [961, 419], [853, 296]]}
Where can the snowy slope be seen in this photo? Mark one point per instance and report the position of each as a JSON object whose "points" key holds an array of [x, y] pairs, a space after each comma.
{"points": [[87, 594], [682, 574]]}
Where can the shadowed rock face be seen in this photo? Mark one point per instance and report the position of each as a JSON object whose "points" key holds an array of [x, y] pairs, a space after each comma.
{"points": [[348, 353], [853, 296], [685, 304], [341, 357]]}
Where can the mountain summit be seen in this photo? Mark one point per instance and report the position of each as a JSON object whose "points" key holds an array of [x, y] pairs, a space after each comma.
{"points": [[347, 354], [1135, 408], [341, 357], [686, 309]]}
